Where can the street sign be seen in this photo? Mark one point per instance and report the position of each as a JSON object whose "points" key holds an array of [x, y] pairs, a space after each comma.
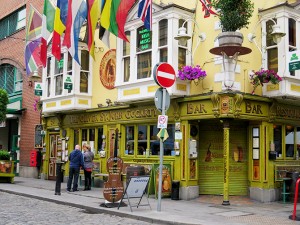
{"points": [[68, 84], [158, 99], [38, 89], [164, 75], [162, 121]]}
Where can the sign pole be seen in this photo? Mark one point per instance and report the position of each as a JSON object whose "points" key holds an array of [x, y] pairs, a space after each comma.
{"points": [[161, 155]]}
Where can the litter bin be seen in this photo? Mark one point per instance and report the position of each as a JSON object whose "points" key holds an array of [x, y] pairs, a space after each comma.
{"points": [[175, 190]]}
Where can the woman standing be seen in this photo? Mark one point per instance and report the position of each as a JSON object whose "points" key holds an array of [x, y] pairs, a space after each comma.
{"points": [[88, 158]]}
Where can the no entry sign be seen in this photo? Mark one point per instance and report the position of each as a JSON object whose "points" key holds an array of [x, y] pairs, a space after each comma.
{"points": [[164, 75]]}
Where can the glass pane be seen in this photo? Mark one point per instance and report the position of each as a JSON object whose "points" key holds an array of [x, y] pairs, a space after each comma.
{"points": [[292, 32], [273, 59], [144, 65], [19, 86], [92, 135], [58, 84], [298, 142], [144, 39], [69, 64], [12, 23], [48, 86], [269, 27], [163, 32], [126, 45], [84, 135], [83, 82], [277, 129], [85, 63], [49, 66], [126, 69], [181, 21], [169, 143], [154, 140], [129, 140], [100, 139], [142, 139], [59, 65], [163, 55], [181, 57], [289, 141], [76, 137]]}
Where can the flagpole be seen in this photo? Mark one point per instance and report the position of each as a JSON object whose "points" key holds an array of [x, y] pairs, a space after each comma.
{"points": [[161, 155]]}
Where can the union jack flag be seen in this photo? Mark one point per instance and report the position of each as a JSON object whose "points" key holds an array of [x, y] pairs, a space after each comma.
{"points": [[145, 13]]}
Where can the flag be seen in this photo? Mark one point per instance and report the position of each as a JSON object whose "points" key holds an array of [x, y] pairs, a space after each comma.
{"points": [[207, 8], [67, 37], [121, 16], [92, 19], [33, 40], [47, 28], [113, 16], [145, 13], [59, 28], [103, 33], [79, 15]]}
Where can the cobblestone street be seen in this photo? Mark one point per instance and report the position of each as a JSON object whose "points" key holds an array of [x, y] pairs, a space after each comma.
{"points": [[19, 210]]}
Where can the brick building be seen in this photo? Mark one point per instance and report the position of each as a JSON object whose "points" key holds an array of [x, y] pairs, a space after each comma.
{"points": [[17, 132]]}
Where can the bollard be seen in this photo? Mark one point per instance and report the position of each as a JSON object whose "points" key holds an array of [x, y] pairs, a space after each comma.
{"points": [[58, 178]]}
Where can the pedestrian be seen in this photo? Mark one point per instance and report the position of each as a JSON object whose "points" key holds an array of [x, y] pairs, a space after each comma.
{"points": [[88, 158], [76, 161]]}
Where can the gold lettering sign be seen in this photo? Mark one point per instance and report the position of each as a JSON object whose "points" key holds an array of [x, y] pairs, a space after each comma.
{"points": [[109, 116], [195, 108], [288, 112], [253, 108]]}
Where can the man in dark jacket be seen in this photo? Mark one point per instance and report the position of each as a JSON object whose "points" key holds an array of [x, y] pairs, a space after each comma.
{"points": [[76, 161]]}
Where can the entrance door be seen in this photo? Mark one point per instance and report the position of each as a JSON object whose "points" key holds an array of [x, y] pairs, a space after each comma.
{"points": [[55, 145]]}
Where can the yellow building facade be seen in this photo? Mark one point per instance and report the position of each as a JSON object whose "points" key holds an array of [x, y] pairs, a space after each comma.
{"points": [[230, 141]]}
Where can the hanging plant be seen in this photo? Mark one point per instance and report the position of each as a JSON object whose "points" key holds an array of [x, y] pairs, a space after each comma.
{"points": [[264, 76], [3, 104], [191, 73]]}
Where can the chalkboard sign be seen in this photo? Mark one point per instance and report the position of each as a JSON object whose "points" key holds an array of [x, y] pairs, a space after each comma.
{"points": [[38, 136]]}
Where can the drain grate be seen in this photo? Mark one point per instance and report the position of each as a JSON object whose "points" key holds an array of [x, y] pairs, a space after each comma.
{"points": [[233, 214]]}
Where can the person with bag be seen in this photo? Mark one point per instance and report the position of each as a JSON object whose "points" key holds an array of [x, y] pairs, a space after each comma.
{"points": [[88, 158], [76, 161]]}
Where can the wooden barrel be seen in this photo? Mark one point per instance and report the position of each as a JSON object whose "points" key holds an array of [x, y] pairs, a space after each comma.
{"points": [[133, 171]]}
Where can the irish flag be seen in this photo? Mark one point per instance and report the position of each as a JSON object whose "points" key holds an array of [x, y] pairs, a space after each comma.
{"points": [[47, 28]]}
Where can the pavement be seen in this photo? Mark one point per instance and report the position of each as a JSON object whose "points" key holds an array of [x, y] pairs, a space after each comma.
{"points": [[204, 210]]}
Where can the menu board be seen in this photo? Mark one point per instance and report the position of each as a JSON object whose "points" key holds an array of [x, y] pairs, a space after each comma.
{"points": [[38, 136]]}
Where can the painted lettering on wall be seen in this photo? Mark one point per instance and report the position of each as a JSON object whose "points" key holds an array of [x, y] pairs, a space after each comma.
{"points": [[253, 108], [195, 108]]}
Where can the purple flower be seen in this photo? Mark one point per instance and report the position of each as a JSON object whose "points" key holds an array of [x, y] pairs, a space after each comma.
{"points": [[191, 73], [264, 76]]}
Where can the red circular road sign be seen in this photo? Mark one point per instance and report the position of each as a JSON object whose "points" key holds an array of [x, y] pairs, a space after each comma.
{"points": [[164, 75]]}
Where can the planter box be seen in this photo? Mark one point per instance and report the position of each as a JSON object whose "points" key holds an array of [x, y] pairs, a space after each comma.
{"points": [[7, 170]]}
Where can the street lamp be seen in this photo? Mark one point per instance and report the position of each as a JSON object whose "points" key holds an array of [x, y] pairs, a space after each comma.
{"points": [[183, 37]]}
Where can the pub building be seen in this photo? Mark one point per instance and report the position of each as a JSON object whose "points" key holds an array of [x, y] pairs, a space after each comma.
{"points": [[220, 141]]}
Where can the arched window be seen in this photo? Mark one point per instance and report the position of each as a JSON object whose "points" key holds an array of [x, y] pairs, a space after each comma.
{"points": [[10, 79]]}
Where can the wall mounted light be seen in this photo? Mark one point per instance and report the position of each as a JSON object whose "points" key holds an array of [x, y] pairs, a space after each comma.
{"points": [[183, 36], [34, 78]]}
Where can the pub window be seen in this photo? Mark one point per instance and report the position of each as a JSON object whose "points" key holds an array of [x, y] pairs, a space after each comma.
{"points": [[163, 40], [84, 72], [58, 75], [126, 57], [143, 140], [272, 50], [144, 50], [76, 137], [277, 135], [101, 141], [289, 141], [292, 39], [48, 78]]}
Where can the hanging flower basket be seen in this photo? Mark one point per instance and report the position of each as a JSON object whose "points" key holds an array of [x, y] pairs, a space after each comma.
{"points": [[37, 105], [192, 73], [264, 76]]}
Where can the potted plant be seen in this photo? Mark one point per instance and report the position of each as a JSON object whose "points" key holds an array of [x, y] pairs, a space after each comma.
{"points": [[264, 76], [233, 15], [194, 73], [4, 155]]}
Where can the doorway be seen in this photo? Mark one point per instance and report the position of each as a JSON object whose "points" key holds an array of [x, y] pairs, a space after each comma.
{"points": [[54, 147]]}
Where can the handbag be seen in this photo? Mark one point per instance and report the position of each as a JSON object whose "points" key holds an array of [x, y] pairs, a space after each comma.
{"points": [[88, 169]]}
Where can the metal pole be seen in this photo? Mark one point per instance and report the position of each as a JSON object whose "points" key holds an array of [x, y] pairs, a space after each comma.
{"points": [[161, 155]]}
